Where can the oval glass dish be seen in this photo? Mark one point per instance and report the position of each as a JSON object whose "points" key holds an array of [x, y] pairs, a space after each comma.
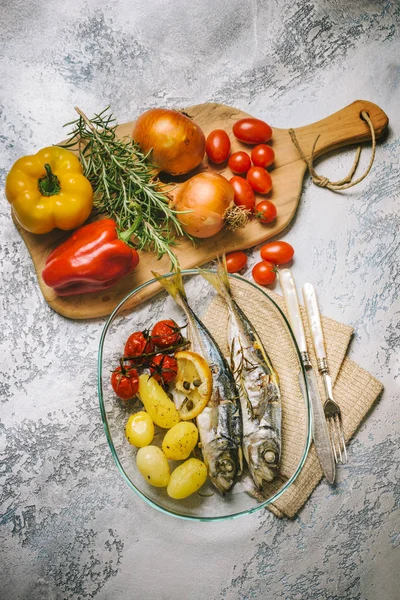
{"points": [[275, 332]]}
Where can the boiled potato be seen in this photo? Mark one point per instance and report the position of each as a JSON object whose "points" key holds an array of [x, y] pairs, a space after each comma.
{"points": [[180, 440], [139, 429], [156, 402], [187, 479], [153, 465]]}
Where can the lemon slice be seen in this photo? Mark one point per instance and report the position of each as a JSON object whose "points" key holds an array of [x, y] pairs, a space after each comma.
{"points": [[193, 382]]}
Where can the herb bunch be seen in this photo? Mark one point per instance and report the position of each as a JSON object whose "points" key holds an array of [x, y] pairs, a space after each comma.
{"points": [[124, 184]]}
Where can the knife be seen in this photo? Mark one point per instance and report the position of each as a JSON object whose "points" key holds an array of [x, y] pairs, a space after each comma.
{"points": [[320, 428]]}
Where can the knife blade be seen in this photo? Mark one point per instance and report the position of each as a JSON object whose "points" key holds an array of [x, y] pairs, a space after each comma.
{"points": [[320, 428]]}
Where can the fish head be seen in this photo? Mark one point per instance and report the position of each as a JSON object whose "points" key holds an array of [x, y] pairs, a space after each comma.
{"points": [[263, 457], [224, 468]]}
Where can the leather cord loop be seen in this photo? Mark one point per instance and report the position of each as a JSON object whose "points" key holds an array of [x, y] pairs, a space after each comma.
{"points": [[346, 182]]}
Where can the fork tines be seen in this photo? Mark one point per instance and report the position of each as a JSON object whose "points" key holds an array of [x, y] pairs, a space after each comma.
{"points": [[334, 418]]}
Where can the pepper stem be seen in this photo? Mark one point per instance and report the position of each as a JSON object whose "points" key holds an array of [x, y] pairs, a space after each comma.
{"points": [[126, 235], [49, 185]]}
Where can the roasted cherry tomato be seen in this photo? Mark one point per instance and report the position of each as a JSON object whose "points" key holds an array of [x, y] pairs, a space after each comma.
{"points": [[264, 273], [252, 131], [218, 146], [262, 155], [244, 193], [125, 382], [265, 211], [235, 261], [259, 179], [278, 253], [166, 333], [164, 368], [239, 162], [138, 343]]}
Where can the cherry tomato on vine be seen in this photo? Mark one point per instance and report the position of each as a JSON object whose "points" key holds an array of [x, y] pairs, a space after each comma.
{"points": [[265, 211], [235, 261], [164, 368], [218, 146], [239, 162], [125, 382], [278, 253], [166, 333], [138, 343], [244, 194], [262, 155], [264, 273], [252, 131], [259, 179]]}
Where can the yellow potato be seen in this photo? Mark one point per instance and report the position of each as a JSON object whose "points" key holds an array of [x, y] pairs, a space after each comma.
{"points": [[156, 402], [180, 440], [139, 429], [153, 465], [187, 479]]}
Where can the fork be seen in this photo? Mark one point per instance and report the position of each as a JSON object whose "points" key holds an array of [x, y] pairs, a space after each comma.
{"points": [[331, 408], [333, 415]]}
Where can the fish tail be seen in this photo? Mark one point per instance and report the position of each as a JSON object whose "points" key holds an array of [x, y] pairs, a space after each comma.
{"points": [[219, 280], [173, 285], [222, 271]]}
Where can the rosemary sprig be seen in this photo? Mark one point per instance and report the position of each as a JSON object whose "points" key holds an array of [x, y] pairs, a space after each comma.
{"points": [[124, 184]]}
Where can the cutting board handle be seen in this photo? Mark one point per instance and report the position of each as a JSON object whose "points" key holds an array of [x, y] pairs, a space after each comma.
{"points": [[342, 128]]}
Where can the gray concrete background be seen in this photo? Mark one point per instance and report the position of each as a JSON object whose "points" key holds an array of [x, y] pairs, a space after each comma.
{"points": [[71, 528]]}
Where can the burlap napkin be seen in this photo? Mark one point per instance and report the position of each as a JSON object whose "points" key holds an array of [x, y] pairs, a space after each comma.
{"points": [[355, 390]]}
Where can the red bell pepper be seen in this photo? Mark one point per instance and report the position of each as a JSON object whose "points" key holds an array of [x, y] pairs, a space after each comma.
{"points": [[91, 260]]}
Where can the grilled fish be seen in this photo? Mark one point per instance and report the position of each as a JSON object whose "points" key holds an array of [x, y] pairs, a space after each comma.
{"points": [[258, 385], [219, 424]]}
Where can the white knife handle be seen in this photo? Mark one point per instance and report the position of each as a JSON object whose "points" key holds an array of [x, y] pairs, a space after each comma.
{"points": [[292, 304], [310, 300]]}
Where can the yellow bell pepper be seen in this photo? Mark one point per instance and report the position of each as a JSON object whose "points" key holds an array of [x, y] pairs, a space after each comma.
{"points": [[48, 190]]}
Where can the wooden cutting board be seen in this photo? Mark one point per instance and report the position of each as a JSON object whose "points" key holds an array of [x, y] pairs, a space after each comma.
{"points": [[340, 129]]}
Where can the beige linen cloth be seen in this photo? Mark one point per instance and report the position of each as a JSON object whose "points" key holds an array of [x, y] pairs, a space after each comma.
{"points": [[355, 390]]}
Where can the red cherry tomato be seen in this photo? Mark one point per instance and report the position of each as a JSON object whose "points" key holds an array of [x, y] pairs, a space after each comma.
{"points": [[239, 162], [125, 382], [252, 131], [244, 194], [166, 333], [265, 211], [264, 273], [164, 368], [235, 261], [262, 155], [259, 179], [218, 146], [138, 343], [278, 253]]}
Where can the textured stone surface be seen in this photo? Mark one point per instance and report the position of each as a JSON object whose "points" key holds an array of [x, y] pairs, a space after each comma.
{"points": [[70, 527]]}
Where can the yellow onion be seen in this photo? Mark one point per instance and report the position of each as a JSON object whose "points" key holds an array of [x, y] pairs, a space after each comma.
{"points": [[207, 196], [176, 143]]}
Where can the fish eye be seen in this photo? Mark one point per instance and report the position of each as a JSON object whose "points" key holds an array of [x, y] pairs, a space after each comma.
{"points": [[269, 456], [226, 465]]}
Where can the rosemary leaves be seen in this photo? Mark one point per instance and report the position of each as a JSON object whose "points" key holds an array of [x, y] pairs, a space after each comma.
{"points": [[124, 185]]}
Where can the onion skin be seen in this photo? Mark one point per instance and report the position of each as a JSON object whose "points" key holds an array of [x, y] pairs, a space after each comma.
{"points": [[176, 143], [207, 195]]}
